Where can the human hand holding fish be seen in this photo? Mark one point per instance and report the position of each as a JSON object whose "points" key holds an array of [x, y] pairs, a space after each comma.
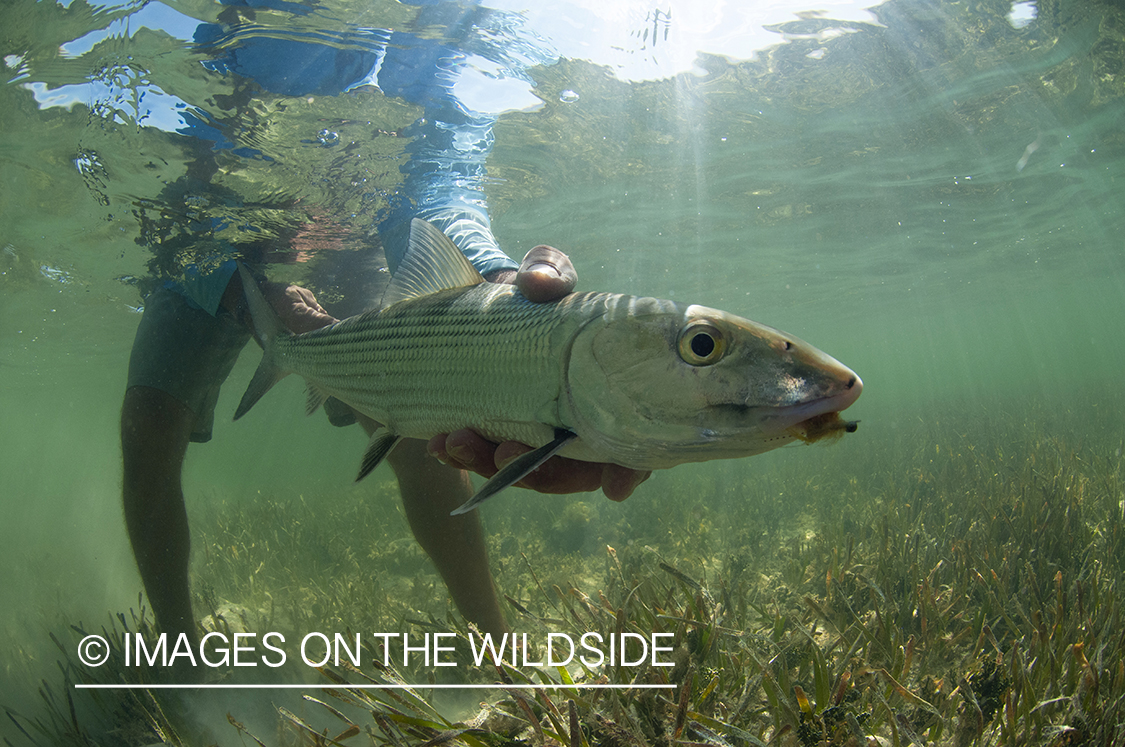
{"points": [[546, 274], [599, 377], [466, 449], [296, 306]]}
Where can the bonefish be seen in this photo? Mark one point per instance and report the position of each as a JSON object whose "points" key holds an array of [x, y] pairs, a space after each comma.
{"points": [[603, 377]]}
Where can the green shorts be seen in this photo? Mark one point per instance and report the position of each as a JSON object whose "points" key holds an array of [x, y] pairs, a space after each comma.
{"points": [[185, 352]]}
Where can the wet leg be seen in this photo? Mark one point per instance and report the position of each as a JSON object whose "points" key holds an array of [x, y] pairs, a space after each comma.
{"points": [[155, 431], [431, 490]]}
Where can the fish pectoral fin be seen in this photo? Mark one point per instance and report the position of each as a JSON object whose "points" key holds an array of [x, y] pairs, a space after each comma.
{"points": [[381, 443], [516, 470]]}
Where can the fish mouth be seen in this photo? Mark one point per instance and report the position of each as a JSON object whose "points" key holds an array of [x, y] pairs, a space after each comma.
{"points": [[811, 421]]}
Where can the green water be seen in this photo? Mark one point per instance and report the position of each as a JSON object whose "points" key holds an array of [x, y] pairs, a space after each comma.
{"points": [[863, 190]]}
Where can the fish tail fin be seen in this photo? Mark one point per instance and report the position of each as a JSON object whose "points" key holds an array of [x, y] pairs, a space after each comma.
{"points": [[265, 377], [266, 324], [267, 328]]}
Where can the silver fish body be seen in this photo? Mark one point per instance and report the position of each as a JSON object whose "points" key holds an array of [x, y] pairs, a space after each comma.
{"points": [[641, 382], [482, 357]]}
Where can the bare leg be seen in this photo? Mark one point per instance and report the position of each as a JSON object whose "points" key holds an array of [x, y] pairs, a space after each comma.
{"points": [[155, 430], [431, 490]]}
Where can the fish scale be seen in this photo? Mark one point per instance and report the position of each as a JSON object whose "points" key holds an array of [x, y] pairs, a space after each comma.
{"points": [[483, 357]]}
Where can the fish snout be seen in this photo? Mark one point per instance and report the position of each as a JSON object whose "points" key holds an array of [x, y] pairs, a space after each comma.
{"points": [[816, 385], [839, 386], [852, 387], [819, 374]]}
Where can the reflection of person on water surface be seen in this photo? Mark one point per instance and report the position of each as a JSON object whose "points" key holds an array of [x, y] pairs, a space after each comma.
{"points": [[195, 324]]}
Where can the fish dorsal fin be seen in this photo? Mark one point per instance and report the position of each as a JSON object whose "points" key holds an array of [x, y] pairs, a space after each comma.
{"points": [[432, 263]]}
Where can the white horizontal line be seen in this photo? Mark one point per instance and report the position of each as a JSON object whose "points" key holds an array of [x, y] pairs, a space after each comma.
{"points": [[228, 686]]}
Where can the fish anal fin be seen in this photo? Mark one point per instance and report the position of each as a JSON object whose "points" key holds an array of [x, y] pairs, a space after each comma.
{"points": [[314, 398], [381, 443], [516, 470], [432, 263]]}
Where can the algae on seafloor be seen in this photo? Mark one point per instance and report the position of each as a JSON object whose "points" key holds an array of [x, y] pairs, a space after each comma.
{"points": [[960, 586]]}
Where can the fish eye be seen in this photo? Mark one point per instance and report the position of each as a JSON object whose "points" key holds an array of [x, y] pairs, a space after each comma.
{"points": [[701, 344]]}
